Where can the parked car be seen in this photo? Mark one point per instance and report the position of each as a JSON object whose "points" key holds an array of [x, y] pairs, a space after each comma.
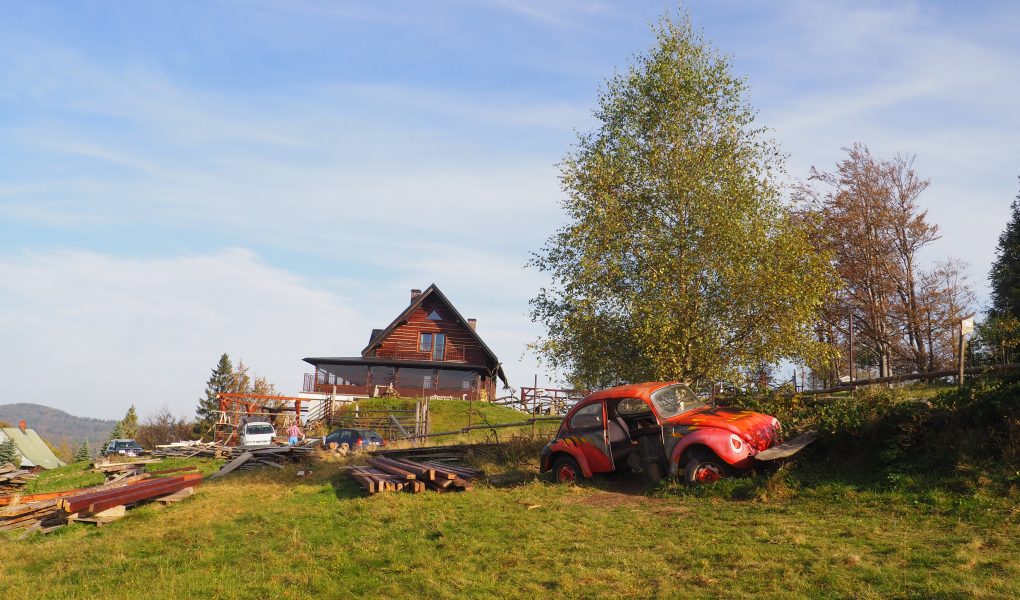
{"points": [[123, 447], [661, 428], [256, 433], [354, 438]]}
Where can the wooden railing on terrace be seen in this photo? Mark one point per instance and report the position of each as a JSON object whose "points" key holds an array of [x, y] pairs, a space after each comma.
{"points": [[453, 354]]}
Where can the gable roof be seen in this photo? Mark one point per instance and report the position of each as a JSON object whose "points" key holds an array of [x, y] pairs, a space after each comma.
{"points": [[33, 449], [432, 290]]}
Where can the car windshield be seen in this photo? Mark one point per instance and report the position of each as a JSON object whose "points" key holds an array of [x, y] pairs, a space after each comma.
{"points": [[673, 400], [259, 429]]}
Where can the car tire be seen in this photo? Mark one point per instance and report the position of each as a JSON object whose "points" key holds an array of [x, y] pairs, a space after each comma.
{"points": [[704, 467], [566, 470]]}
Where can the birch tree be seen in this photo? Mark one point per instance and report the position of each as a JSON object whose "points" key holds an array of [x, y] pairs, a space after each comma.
{"points": [[679, 261]]}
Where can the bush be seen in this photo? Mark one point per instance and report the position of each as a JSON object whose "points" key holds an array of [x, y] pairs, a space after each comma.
{"points": [[960, 430]]}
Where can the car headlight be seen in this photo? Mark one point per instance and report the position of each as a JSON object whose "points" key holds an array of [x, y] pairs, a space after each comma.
{"points": [[736, 444]]}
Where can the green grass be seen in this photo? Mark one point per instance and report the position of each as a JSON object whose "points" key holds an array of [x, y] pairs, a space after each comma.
{"points": [[800, 533]]}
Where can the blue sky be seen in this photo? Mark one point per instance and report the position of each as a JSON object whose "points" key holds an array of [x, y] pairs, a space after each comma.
{"points": [[269, 179]]}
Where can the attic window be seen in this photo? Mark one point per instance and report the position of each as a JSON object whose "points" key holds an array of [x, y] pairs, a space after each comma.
{"points": [[434, 316]]}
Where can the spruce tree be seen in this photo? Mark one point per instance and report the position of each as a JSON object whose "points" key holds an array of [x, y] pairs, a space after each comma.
{"points": [[1005, 274], [84, 453], [219, 381], [117, 433], [130, 423], [9, 453]]}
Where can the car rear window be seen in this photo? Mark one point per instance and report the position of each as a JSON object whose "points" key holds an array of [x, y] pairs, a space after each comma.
{"points": [[259, 428]]}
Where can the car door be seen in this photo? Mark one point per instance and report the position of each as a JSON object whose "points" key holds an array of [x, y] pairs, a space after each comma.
{"points": [[588, 430]]}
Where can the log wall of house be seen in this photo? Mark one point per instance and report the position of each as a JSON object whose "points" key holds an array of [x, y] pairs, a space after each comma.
{"points": [[461, 345]]}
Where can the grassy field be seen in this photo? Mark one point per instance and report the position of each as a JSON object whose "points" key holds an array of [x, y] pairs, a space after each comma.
{"points": [[790, 535]]}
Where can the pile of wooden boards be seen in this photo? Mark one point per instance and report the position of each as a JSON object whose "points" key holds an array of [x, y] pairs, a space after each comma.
{"points": [[270, 456], [213, 450], [115, 471], [101, 504], [190, 449], [400, 474], [13, 478]]}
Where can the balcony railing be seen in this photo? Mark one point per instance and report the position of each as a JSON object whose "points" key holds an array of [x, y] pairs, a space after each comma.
{"points": [[453, 354]]}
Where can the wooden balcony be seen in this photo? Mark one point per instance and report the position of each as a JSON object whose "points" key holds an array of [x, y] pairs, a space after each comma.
{"points": [[453, 354]]}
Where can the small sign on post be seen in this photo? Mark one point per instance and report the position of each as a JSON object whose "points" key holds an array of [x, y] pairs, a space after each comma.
{"points": [[966, 328]]}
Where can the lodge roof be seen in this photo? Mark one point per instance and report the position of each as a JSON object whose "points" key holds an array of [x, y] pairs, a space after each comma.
{"points": [[494, 365]]}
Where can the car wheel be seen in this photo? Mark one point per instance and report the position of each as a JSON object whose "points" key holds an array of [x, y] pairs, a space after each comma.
{"points": [[566, 470], [704, 467]]}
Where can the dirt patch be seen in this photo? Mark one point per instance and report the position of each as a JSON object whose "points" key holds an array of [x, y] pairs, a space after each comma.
{"points": [[608, 499], [614, 499]]}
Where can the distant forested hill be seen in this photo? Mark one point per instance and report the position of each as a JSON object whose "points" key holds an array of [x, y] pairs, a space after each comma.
{"points": [[60, 429]]}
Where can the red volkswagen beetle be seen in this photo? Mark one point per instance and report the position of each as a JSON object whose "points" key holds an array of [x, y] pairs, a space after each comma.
{"points": [[661, 428]]}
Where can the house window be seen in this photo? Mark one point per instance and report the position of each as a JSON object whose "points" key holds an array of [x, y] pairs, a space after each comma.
{"points": [[439, 348], [425, 342], [434, 316]]}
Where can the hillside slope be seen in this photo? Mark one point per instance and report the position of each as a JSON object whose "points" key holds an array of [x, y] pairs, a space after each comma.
{"points": [[56, 426]]}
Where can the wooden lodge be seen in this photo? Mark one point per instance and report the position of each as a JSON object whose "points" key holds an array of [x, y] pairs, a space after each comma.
{"points": [[428, 350]]}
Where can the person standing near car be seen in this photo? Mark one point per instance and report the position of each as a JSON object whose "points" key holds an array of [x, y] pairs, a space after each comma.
{"points": [[294, 432]]}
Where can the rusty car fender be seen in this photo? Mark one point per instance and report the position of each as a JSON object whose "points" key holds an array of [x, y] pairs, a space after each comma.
{"points": [[567, 446], [717, 440]]}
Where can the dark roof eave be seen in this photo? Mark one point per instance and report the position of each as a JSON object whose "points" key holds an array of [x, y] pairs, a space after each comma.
{"points": [[394, 362]]}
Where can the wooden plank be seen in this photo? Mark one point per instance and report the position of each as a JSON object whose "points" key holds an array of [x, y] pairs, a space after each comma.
{"points": [[391, 469], [177, 496], [788, 448], [237, 462]]}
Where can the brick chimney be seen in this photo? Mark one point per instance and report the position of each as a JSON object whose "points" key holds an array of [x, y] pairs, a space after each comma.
{"points": [[22, 426], [415, 294], [473, 324]]}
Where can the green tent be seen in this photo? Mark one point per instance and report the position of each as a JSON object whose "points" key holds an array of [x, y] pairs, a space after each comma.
{"points": [[34, 451]]}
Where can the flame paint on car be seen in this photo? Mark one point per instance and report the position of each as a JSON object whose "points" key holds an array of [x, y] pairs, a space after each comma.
{"points": [[760, 430]]}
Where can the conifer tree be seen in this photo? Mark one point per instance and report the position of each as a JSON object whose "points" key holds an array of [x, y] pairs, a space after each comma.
{"points": [[117, 433], [1005, 273], [220, 380], [9, 453], [84, 453], [130, 423]]}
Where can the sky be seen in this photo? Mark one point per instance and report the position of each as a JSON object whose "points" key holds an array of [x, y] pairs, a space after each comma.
{"points": [[270, 178]]}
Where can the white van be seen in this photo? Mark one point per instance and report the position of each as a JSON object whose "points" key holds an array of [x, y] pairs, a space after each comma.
{"points": [[257, 433]]}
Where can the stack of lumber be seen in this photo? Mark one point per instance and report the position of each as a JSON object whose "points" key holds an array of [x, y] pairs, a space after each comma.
{"points": [[97, 504], [189, 449], [100, 504], [13, 478], [399, 474], [41, 514], [243, 459], [122, 470]]}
